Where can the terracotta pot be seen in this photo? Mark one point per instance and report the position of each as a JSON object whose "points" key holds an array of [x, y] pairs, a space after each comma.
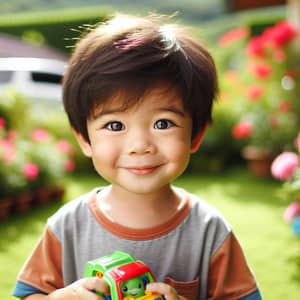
{"points": [[259, 161], [22, 202], [41, 196], [5, 208], [57, 193]]}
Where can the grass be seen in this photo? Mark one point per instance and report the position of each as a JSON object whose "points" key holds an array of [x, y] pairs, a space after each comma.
{"points": [[251, 206]]}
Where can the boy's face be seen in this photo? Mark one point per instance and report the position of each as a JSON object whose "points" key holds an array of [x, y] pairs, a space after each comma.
{"points": [[144, 148]]}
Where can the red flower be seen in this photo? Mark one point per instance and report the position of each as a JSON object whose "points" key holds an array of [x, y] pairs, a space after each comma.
{"points": [[233, 35], [256, 47], [242, 130], [2, 123], [40, 135], [262, 70], [254, 92], [280, 34], [285, 106], [31, 171], [285, 165]]}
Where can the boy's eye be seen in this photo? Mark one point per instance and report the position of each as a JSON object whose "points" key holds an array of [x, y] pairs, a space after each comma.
{"points": [[163, 124], [114, 126]]}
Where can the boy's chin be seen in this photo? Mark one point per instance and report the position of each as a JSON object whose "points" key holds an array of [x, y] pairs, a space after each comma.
{"points": [[143, 189]]}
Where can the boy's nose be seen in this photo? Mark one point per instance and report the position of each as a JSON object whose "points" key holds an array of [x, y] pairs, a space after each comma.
{"points": [[140, 143]]}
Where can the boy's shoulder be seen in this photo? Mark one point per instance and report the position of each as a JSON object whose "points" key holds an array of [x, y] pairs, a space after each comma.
{"points": [[199, 204], [205, 214]]}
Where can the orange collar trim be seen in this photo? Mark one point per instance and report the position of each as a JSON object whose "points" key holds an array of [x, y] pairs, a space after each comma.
{"points": [[139, 234]]}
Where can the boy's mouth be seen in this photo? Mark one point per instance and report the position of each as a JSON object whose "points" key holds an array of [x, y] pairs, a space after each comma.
{"points": [[142, 170]]}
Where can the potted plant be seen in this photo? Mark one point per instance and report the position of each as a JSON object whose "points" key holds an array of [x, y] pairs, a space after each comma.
{"points": [[266, 95]]}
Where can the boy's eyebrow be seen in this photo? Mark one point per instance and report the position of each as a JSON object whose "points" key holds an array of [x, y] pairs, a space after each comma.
{"points": [[108, 111], [172, 109]]}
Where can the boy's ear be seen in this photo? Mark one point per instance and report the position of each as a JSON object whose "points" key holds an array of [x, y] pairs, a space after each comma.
{"points": [[83, 143], [197, 140]]}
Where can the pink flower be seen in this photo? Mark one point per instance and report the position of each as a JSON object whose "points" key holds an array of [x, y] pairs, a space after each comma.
{"points": [[233, 35], [279, 55], [9, 151], [40, 135], [285, 165], [64, 146], [297, 142], [70, 165], [31, 171], [254, 92], [11, 134], [291, 211], [242, 130]]}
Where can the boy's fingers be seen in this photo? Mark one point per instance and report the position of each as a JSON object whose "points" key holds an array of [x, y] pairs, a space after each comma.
{"points": [[97, 284], [82, 288], [164, 289]]}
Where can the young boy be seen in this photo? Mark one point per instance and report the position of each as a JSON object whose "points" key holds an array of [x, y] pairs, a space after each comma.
{"points": [[139, 96]]}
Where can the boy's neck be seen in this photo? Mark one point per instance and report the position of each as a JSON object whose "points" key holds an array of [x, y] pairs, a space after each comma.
{"points": [[139, 210]]}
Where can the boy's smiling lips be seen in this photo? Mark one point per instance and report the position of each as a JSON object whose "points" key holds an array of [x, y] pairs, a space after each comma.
{"points": [[142, 170], [142, 166]]}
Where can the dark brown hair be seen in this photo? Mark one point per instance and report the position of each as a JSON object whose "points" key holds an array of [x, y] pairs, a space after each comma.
{"points": [[130, 55]]}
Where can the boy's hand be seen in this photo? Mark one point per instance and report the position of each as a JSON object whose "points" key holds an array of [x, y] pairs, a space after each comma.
{"points": [[164, 289], [82, 289]]}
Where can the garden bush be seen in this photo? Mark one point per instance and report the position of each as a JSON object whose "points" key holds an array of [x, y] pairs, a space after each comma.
{"points": [[30, 157]]}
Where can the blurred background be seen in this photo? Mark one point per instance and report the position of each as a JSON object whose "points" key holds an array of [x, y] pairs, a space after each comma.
{"points": [[248, 165]]}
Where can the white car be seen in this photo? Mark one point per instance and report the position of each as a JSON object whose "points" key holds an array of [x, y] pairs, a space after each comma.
{"points": [[38, 79]]}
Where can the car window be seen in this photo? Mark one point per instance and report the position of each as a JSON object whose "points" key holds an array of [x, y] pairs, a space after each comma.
{"points": [[43, 77], [5, 76]]}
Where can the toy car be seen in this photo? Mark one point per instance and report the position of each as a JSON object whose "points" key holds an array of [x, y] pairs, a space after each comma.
{"points": [[126, 277]]}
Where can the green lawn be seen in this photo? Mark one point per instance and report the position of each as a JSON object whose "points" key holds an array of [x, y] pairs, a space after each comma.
{"points": [[251, 205]]}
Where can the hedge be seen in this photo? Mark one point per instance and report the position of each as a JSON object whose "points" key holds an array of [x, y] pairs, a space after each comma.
{"points": [[57, 28]]}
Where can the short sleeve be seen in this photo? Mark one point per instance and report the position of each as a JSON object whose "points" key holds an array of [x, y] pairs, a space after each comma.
{"points": [[230, 276], [42, 270]]}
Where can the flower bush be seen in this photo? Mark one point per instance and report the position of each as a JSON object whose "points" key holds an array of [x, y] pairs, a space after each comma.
{"points": [[31, 160], [53, 158], [286, 167], [264, 83]]}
